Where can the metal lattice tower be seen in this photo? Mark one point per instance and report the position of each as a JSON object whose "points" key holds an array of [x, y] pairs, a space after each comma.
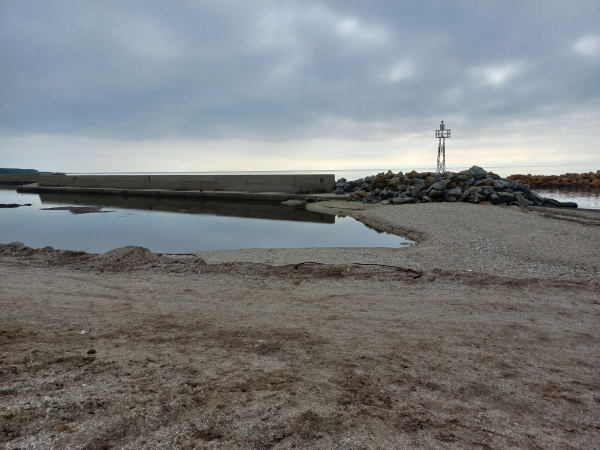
{"points": [[441, 134]]}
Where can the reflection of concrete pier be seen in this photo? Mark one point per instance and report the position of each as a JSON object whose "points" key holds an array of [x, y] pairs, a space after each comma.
{"points": [[250, 210]]}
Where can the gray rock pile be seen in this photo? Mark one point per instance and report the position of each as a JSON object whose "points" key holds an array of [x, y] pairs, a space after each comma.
{"points": [[474, 185]]}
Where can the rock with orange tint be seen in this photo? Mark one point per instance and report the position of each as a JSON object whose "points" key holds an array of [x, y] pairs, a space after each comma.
{"points": [[566, 179]]}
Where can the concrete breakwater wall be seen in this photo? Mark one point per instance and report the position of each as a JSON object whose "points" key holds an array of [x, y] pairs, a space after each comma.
{"points": [[243, 183], [19, 178]]}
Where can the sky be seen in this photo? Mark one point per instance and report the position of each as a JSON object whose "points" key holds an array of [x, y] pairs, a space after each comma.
{"points": [[128, 85]]}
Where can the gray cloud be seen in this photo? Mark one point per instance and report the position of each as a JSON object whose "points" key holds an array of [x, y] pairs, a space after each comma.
{"points": [[274, 70]]}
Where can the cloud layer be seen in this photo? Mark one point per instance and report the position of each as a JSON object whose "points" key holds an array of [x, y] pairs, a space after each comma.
{"points": [[254, 74]]}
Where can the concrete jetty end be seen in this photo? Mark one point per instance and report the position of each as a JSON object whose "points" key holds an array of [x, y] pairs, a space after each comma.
{"points": [[239, 187], [19, 178]]}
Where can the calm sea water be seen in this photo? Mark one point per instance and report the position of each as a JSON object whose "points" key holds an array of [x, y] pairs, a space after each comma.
{"points": [[585, 196], [177, 226]]}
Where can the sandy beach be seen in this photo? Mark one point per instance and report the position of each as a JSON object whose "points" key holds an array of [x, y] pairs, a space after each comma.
{"points": [[483, 335]]}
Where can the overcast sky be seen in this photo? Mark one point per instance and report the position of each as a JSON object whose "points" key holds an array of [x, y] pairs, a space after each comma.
{"points": [[89, 86]]}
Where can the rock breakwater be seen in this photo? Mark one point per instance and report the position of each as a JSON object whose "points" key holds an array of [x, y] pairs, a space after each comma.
{"points": [[567, 179], [475, 185]]}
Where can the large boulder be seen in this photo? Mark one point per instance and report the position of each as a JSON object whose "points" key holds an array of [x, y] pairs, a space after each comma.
{"points": [[555, 203], [475, 190], [434, 193], [454, 193], [386, 194], [440, 186], [403, 200], [463, 176], [463, 197], [417, 182], [507, 196], [526, 190], [487, 192], [414, 191], [521, 198], [499, 184], [477, 173], [475, 198], [495, 199]]}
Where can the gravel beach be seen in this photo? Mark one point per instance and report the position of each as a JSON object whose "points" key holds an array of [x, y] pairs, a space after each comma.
{"points": [[482, 335]]}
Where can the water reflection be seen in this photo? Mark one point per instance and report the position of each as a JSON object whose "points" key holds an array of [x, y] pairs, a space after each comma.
{"points": [[248, 210], [177, 225], [584, 196]]}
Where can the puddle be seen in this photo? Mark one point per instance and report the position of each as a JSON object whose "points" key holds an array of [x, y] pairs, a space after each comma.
{"points": [[176, 225]]}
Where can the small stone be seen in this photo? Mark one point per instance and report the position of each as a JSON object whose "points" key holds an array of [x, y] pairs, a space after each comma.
{"points": [[403, 200], [62, 428], [91, 351], [295, 202]]}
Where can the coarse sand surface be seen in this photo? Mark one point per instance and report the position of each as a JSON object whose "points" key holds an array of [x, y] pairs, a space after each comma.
{"points": [[484, 334]]}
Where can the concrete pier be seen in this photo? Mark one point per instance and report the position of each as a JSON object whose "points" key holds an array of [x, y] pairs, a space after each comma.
{"points": [[19, 178], [244, 183], [225, 187]]}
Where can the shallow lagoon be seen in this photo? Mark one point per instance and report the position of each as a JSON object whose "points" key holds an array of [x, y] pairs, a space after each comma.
{"points": [[177, 225]]}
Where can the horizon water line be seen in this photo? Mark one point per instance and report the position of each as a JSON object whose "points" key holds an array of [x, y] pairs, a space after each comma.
{"points": [[363, 172]]}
